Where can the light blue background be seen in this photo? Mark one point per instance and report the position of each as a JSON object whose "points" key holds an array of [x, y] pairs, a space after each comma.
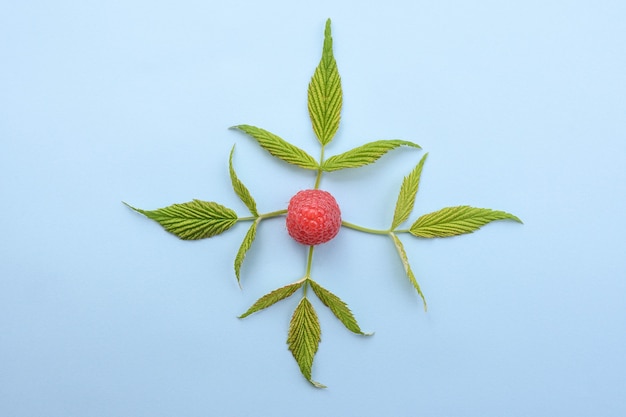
{"points": [[521, 106]]}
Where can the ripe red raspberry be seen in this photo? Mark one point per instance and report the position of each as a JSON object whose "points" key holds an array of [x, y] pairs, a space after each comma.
{"points": [[313, 217]]}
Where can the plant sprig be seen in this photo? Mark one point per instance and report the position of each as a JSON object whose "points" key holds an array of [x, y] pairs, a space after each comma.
{"points": [[202, 219]]}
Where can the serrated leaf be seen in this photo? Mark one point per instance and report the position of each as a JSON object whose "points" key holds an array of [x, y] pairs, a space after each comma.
{"points": [[272, 298], [243, 249], [279, 147], [304, 338], [453, 221], [240, 188], [193, 220], [406, 197], [363, 155], [338, 307], [407, 267], [325, 95]]}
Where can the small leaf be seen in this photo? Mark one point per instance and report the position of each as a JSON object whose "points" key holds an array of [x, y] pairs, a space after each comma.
{"points": [[243, 249], [338, 307], [363, 155], [272, 298], [408, 191], [407, 267], [453, 221], [241, 189], [325, 95], [280, 148], [193, 220], [304, 338]]}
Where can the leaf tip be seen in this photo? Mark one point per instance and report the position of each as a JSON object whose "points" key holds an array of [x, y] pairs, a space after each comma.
{"points": [[317, 384], [133, 208], [413, 145]]}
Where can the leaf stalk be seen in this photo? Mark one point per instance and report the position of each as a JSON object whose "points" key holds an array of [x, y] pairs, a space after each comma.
{"points": [[263, 216], [364, 229], [319, 170]]}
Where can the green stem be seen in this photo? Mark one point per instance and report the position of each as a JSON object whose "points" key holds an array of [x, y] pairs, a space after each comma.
{"points": [[365, 229], [263, 216], [319, 170], [307, 275], [273, 214], [309, 261]]}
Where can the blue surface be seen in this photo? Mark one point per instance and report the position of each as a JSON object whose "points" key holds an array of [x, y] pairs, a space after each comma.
{"points": [[521, 106]]}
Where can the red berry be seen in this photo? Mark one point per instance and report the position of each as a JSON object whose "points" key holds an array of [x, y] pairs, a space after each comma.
{"points": [[313, 217]]}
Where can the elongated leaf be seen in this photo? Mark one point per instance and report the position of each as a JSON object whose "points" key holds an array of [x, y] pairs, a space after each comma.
{"points": [[453, 221], [243, 249], [407, 267], [241, 189], [304, 338], [325, 96], [193, 220], [338, 307], [279, 147], [363, 155], [408, 191], [272, 298]]}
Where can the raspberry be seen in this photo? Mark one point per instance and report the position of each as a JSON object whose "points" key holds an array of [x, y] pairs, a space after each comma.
{"points": [[313, 217]]}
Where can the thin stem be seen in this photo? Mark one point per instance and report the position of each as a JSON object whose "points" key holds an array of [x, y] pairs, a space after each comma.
{"points": [[307, 275], [246, 219], [365, 229], [274, 214], [319, 170], [263, 216], [309, 262]]}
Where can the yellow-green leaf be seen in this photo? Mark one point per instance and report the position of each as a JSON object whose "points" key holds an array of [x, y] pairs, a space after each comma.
{"points": [[407, 267], [243, 249], [304, 338], [272, 298], [325, 95], [364, 154], [279, 147], [338, 307], [240, 189], [453, 221], [193, 220], [408, 191]]}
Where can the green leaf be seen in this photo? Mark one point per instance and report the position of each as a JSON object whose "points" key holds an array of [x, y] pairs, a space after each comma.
{"points": [[407, 267], [193, 220], [363, 155], [280, 148], [325, 96], [304, 338], [243, 249], [453, 221], [272, 298], [241, 189], [408, 191], [338, 307]]}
